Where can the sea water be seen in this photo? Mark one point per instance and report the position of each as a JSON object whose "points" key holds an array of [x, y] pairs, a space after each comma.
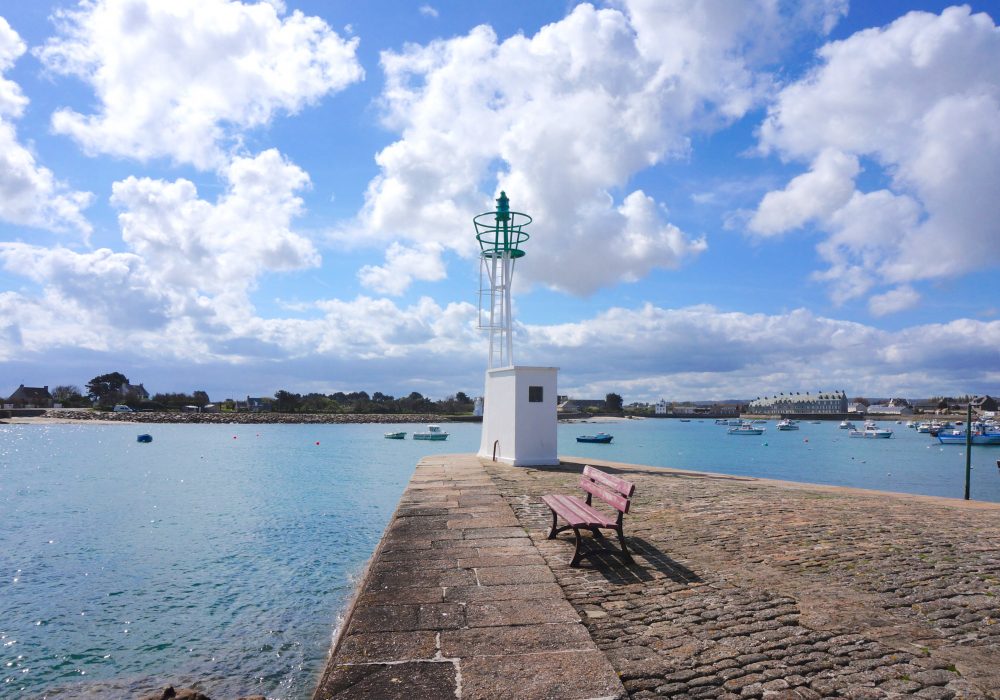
{"points": [[223, 555]]}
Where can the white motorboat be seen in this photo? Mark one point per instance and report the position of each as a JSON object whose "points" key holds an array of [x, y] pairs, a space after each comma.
{"points": [[434, 432]]}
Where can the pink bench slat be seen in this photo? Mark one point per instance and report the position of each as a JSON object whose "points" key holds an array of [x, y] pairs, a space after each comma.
{"points": [[610, 497], [625, 488], [576, 512]]}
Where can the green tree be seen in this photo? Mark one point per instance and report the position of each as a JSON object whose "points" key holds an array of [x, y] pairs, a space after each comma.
{"points": [[69, 396], [106, 389], [174, 401], [613, 402], [286, 401], [200, 399]]}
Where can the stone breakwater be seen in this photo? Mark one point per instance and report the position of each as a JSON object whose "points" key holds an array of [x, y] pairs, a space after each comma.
{"points": [[251, 418]]}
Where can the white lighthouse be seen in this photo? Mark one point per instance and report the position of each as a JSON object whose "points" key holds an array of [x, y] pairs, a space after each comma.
{"points": [[519, 403]]}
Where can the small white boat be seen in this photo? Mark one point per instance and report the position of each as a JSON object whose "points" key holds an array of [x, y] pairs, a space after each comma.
{"points": [[434, 432], [787, 425], [745, 429], [401, 435], [871, 431], [846, 425]]}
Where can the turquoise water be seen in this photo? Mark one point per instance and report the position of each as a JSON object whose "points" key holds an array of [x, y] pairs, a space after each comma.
{"points": [[822, 453], [224, 554]]}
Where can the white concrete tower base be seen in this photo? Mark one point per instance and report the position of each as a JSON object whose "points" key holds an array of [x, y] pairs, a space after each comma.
{"points": [[519, 416]]}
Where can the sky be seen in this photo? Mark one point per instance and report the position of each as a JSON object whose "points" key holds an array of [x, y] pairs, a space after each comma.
{"points": [[730, 198]]}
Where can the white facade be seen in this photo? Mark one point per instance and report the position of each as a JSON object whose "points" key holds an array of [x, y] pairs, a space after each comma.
{"points": [[519, 416], [661, 407], [833, 402]]}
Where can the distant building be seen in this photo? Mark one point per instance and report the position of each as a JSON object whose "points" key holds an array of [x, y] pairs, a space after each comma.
{"points": [[889, 410], [832, 402], [258, 404], [135, 392], [984, 404], [30, 397], [857, 408], [895, 407], [661, 407]]}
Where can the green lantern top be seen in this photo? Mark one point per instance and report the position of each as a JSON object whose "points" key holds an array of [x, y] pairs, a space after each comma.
{"points": [[501, 231]]}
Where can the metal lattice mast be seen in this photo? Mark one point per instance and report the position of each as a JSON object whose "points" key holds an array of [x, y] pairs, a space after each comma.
{"points": [[500, 234]]}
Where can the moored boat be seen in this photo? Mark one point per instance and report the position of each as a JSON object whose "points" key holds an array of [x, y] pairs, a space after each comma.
{"points": [[400, 435], [602, 438], [145, 437], [871, 431], [957, 438], [433, 432], [787, 424], [745, 429], [846, 425]]}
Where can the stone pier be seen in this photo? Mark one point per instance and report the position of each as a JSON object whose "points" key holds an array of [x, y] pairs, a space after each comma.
{"points": [[458, 603], [742, 588]]}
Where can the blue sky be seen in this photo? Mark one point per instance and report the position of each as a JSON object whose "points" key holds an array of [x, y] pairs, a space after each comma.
{"points": [[731, 198]]}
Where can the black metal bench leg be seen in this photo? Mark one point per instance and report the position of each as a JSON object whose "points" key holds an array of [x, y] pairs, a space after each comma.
{"points": [[625, 552], [577, 553], [597, 532], [553, 531]]}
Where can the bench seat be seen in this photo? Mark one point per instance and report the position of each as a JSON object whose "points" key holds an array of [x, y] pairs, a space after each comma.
{"points": [[576, 512]]}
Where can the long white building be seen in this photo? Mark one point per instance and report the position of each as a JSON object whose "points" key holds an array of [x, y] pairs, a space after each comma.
{"points": [[797, 402]]}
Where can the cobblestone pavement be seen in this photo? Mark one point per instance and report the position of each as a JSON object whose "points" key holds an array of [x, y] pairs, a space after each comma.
{"points": [[749, 588]]}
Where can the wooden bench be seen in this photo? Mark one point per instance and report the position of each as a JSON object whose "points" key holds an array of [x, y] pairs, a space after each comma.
{"points": [[579, 514]]}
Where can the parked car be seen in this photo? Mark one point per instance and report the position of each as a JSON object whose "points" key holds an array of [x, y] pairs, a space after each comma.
{"points": [[121, 408]]}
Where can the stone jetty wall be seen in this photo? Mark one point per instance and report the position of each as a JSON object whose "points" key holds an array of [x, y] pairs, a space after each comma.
{"points": [[252, 418]]}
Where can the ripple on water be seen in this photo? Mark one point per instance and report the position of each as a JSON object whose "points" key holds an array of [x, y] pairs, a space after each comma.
{"points": [[193, 559]]}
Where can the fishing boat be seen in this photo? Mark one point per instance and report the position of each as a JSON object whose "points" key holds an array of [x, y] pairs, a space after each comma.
{"points": [[787, 425], [434, 432], [871, 431], [602, 438], [400, 435], [957, 437], [745, 429], [145, 437]]}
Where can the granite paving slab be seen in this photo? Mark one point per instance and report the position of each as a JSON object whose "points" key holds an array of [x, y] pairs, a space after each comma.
{"points": [[458, 602]]}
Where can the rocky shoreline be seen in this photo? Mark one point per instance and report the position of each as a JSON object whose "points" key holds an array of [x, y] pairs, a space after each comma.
{"points": [[250, 418]]}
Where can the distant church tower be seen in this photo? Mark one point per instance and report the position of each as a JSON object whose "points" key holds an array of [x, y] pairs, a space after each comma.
{"points": [[519, 403]]}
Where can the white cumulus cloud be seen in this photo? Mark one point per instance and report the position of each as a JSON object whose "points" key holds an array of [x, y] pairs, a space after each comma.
{"points": [[562, 120], [898, 299], [917, 101], [183, 79], [191, 264], [30, 195]]}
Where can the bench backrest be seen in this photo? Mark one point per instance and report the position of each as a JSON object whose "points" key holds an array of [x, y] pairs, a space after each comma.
{"points": [[616, 492]]}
